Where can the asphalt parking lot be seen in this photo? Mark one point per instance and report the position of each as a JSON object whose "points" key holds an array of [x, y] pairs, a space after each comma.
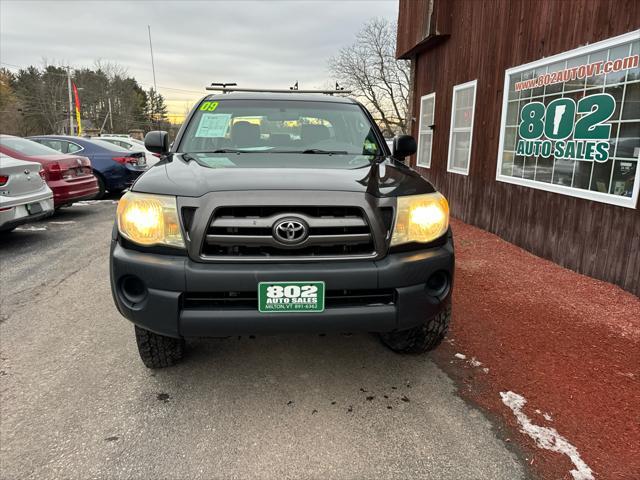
{"points": [[78, 403]]}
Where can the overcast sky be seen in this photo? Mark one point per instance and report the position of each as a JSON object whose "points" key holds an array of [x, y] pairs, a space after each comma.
{"points": [[254, 43]]}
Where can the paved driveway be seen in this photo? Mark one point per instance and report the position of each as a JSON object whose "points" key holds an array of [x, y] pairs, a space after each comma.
{"points": [[78, 403]]}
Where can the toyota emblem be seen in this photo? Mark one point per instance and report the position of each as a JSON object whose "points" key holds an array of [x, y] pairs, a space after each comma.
{"points": [[291, 230]]}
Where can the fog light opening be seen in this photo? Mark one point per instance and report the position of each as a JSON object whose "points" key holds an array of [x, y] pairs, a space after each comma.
{"points": [[133, 289], [438, 284]]}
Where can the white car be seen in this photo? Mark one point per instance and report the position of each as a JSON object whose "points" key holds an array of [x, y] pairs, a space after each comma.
{"points": [[131, 144], [24, 195]]}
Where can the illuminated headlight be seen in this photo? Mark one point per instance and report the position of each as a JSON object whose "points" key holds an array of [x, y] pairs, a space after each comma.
{"points": [[148, 219], [420, 218]]}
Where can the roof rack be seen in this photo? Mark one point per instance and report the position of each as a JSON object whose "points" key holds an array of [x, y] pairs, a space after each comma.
{"points": [[230, 87]]}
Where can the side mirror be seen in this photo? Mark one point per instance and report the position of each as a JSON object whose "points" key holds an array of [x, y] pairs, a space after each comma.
{"points": [[157, 142], [403, 146]]}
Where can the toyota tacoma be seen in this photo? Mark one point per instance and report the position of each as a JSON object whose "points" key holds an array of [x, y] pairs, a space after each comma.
{"points": [[277, 212]]}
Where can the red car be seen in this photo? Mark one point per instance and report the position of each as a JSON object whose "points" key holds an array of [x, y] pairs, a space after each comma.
{"points": [[69, 176]]}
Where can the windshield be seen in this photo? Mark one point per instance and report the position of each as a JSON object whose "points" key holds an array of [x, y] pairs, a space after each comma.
{"points": [[26, 147], [279, 126]]}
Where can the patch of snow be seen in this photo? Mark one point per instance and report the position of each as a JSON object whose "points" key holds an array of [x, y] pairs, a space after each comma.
{"points": [[84, 203], [545, 437], [474, 363], [485, 370], [460, 356], [66, 222], [31, 229]]}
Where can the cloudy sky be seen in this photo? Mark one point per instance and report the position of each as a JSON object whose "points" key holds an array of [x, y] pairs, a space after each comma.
{"points": [[254, 43]]}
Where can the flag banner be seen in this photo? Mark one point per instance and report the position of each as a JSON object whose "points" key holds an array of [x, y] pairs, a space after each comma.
{"points": [[77, 99]]}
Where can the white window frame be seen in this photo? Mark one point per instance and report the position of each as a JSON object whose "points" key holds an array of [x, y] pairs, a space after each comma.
{"points": [[427, 129], [627, 202], [453, 129]]}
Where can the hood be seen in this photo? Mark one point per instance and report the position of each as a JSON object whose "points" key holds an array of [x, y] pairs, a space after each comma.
{"points": [[178, 176]]}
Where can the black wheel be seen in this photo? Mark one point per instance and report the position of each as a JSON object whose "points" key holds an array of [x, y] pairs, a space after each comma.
{"points": [[422, 338], [102, 188], [158, 351]]}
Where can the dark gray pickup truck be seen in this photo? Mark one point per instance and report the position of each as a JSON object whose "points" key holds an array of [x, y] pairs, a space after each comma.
{"points": [[276, 213]]}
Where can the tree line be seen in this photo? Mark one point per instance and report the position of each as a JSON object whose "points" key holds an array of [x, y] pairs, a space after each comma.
{"points": [[35, 101]]}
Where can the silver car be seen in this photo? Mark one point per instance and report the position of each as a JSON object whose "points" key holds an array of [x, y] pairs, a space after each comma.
{"points": [[24, 195]]}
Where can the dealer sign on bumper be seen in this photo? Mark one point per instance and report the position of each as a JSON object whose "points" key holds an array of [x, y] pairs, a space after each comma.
{"points": [[296, 297]]}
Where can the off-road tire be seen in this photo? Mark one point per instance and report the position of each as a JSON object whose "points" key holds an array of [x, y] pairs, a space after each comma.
{"points": [[419, 339], [158, 351]]}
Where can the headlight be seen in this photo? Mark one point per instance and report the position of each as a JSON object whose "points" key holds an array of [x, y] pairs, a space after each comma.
{"points": [[420, 218], [148, 219]]}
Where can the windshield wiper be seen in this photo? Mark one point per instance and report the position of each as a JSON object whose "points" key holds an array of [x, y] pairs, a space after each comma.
{"points": [[309, 150], [227, 150], [313, 150], [325, 152]]}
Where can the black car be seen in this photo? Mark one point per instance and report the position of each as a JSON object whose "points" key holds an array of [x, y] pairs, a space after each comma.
{"points": [[281, 212]]}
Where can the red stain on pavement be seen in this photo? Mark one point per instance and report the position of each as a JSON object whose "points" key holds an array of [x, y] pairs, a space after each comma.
{"points": [[568, 343]]}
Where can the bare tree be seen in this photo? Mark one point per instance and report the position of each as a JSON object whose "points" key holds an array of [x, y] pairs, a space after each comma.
{"points": [[369, 68]]}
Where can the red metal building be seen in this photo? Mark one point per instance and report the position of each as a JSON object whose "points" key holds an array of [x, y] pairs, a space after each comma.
{"points": [[527, 116]]}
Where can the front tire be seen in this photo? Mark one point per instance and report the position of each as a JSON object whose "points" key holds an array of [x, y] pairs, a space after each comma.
{"points": [[422, 338], [158, 351]]}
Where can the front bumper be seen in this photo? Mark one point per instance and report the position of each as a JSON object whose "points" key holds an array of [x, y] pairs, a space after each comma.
{"points": [[169, 279]]}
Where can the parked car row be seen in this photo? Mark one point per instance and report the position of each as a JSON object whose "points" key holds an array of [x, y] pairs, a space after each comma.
{"points": [[42, 173]]}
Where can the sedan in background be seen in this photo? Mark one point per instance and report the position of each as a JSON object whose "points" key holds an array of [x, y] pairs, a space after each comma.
{"points": [[24, 195], [115, 167], [133, 145], [69, 176]]}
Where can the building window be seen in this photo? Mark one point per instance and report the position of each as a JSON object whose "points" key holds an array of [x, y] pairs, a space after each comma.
{"points": [[571, 123], [460, 137], [425, 130]]}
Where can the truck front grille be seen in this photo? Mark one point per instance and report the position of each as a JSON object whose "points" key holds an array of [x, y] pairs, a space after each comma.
{"points": [[248, 232]]}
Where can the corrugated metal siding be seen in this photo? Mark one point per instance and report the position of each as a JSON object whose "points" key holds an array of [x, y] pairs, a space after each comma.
{"points": [[488, 37]]}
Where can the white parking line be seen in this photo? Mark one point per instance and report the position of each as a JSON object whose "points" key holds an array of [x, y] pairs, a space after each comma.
{"points": [[84, 203], [30, 229], [545, 437]]}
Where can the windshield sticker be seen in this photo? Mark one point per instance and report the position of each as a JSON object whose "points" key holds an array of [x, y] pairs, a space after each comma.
{"points": [[209, 106], [213, 125], [216, 162]]}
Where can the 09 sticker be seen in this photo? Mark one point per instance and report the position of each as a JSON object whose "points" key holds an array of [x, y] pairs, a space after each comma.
{"points": [[209, 106]]}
